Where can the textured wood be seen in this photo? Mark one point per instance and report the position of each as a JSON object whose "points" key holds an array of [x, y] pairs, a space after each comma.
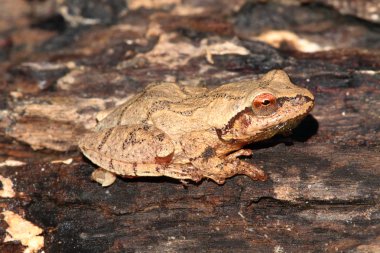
{"points": [[323, 188]]}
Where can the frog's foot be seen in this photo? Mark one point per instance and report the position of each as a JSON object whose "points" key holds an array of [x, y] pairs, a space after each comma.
{"points": [[231, 168], [241, 167], [103, 177], [251, 171]]}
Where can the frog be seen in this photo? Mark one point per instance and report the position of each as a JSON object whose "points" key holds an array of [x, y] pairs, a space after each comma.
{"points": [[192, 133]]}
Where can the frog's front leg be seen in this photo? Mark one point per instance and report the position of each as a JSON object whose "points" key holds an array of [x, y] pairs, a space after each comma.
{"points": [[200, 148], [219, 169]]}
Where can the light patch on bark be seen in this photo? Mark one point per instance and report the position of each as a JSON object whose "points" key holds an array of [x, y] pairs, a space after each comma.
{"points": [[24, 231], [7, 191]]}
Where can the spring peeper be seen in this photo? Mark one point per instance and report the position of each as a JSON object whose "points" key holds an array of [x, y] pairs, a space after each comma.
{"points": [[194, 133]]}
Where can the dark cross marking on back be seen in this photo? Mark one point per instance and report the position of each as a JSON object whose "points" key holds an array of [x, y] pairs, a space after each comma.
{"points": [[133, 137], [165, 104], [130, 140]]}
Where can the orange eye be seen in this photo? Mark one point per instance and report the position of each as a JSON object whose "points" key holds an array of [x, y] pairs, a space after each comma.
{"points": [[264, 104]]}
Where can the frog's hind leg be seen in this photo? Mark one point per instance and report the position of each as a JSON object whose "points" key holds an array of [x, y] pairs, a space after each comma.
{"points": [[131, 170], [178, 171], [128, 144], [136, 151]]}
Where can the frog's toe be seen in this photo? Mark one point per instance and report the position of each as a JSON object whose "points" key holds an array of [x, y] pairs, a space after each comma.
{"points": [[103, 177], [256, 174]]}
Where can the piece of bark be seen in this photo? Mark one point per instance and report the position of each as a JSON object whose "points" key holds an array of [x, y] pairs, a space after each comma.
{"points": [[329, 189]]}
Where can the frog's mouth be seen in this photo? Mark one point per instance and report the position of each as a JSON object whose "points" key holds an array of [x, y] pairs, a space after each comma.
{"points": [[247, 127]]}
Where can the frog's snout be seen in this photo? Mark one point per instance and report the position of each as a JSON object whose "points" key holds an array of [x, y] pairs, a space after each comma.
{"points": [[309, 97]]}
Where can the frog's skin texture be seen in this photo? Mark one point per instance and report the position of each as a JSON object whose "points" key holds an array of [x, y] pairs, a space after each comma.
{"points": [[194, 133]]}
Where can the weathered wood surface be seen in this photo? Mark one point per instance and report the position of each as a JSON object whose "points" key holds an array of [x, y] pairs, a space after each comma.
{"points": [[324, 180]]}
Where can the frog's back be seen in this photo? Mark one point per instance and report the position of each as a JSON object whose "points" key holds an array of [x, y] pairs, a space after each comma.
{"points": [[138, 109]]}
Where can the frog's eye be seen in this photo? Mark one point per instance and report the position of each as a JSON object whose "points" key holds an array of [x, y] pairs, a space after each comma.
{"points": [[264, 104]]}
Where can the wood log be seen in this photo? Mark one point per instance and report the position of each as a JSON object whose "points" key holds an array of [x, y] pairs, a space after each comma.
{"points": [[322, 194]]}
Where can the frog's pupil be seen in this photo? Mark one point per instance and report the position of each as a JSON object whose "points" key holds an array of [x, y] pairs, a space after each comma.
{"points": [[265, 102]]}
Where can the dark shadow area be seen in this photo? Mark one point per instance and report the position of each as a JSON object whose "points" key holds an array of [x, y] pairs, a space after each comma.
{"points": [[52, 23], [158, 180], [305, 130]]}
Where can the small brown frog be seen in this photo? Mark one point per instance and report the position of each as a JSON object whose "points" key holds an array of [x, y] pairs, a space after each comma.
{"points": [[194, 133]]}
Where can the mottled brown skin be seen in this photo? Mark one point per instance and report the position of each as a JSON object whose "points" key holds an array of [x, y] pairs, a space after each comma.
{"points": [[194, 133]]}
